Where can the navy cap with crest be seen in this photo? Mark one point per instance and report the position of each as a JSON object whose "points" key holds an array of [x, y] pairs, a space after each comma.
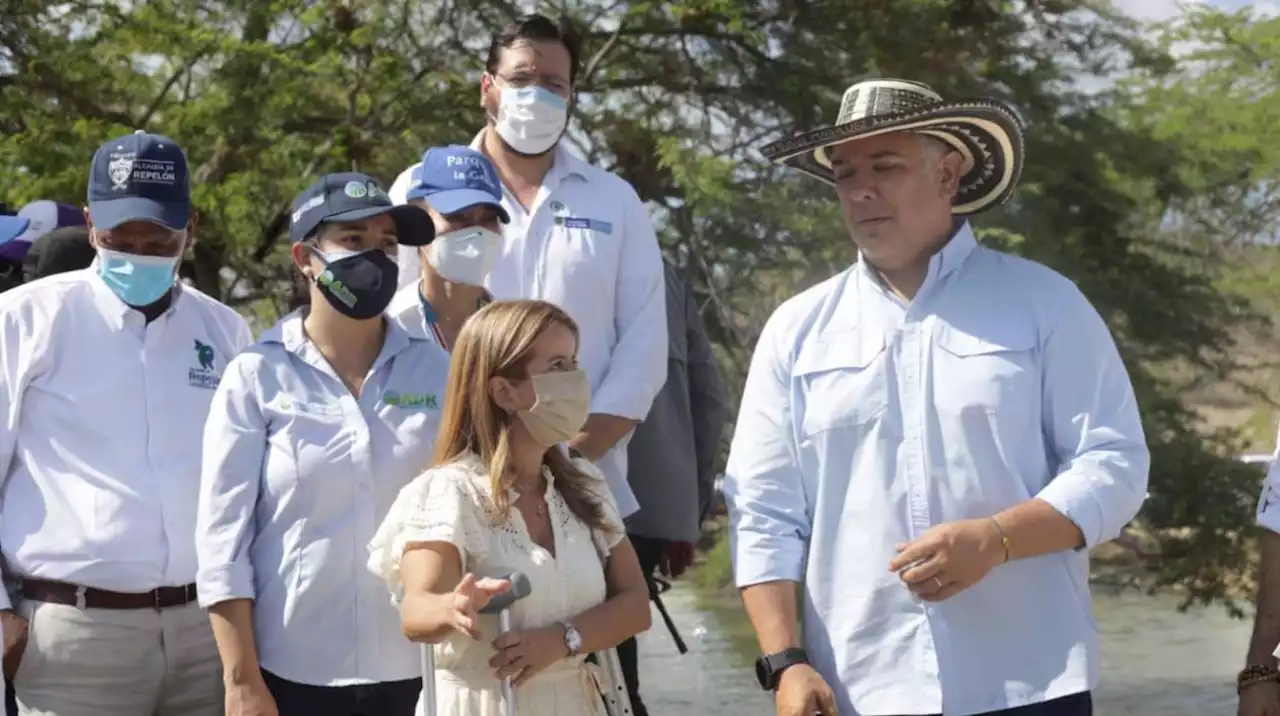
{"points": [[352, 196], [139, 177]]}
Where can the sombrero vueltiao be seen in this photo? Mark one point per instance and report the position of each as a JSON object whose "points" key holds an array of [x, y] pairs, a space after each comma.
{"points": [[986, 132]]}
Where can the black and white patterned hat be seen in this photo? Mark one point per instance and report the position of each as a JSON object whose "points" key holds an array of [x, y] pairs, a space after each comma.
{"points": [[986, 132]]}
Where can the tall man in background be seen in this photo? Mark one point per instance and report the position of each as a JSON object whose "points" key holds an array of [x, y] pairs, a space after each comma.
{"points": [[579, 237], [672, 456]]}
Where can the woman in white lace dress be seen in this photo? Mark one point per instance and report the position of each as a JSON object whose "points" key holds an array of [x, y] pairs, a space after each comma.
{"points": [[504, 496]]}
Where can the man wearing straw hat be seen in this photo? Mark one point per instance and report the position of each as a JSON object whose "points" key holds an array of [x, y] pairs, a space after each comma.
{"points": [[929, 441]]}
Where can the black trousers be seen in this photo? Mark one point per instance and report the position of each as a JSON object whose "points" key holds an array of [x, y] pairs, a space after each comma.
{"points": [[1080, 704], [650, 553], [391, 698]]}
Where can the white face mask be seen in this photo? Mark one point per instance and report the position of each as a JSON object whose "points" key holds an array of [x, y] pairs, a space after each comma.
{"points": [[531, 119], [464, 256]]}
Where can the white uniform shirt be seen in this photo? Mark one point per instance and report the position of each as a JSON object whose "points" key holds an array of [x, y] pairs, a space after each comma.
{"points": [[298, 475], [587, 245], [866, 420], [101, 417]]}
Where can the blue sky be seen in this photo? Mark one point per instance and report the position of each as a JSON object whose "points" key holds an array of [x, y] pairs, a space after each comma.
{"points": [[1162, 9]]}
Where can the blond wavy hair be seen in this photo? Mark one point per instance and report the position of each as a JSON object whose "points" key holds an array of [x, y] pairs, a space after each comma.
{"points": [[497, 341]]}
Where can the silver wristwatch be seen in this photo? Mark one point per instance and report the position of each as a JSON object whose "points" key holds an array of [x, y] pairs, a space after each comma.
{"points": [[572, 639]]}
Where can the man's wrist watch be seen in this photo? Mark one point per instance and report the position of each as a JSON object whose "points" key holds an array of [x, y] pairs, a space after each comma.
{"points": [[1256, 674], [572, 638], [769, 667]]}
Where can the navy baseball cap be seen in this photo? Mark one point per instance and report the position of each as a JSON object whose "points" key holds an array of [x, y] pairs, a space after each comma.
{"points": [[352, 196], [454, 178], [139, 177]]}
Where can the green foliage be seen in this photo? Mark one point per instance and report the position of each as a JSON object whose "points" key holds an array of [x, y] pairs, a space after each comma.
{"points": [[1133, 193]]}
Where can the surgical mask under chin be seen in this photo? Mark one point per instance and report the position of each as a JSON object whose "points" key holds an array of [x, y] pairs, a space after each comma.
{"points": [[137, 280], [531, 119], [464, 256], [358, 284]]}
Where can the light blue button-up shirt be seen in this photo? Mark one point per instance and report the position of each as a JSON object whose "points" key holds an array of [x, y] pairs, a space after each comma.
{"points": [[866, 420], [298, 473]]}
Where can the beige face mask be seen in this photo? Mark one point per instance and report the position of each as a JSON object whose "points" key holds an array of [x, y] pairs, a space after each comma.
{"points": [[561, 408]]}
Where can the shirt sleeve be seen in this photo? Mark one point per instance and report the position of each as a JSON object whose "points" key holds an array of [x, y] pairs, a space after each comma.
{"points": [[11, 381], [638, 363], [769, 512], [605, 541], [25, 335], [1269, 500], [438, 506], [709, 404], [235, 445], [1092, 425]]}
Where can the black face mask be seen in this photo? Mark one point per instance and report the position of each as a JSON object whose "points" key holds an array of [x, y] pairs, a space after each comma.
{"points": [[359, 286]]}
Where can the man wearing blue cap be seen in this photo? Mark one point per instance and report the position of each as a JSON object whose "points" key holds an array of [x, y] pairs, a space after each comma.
{"points": [[458, 188], [106, 376]]}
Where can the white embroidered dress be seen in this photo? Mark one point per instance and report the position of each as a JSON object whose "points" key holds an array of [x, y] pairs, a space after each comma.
{"points": [[451, 504]]}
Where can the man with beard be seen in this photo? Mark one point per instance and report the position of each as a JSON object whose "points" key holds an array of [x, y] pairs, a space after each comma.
{"points": [[579, 237]]}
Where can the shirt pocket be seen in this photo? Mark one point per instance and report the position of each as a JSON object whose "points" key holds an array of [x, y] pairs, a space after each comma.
{"points": [[313, 434], [845, 382], [985, 370], [582, 259]]}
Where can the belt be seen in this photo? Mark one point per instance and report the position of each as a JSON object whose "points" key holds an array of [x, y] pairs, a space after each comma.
{"points": [[72, 595]]}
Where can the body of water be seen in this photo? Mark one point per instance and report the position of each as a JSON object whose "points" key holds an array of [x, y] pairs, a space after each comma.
{"points": [[1155, 660]]}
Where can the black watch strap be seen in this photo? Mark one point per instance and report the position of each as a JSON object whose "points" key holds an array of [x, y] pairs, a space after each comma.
{"points": [[769, 667]]}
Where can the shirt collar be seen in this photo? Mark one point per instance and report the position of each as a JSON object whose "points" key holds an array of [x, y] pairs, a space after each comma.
{"points": [[565, 164], [290, 333], [942, 264]]}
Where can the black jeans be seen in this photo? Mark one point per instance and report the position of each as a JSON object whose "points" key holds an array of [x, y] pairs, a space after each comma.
{"points": [[650, 553], [390, 698], [1080, 704]]}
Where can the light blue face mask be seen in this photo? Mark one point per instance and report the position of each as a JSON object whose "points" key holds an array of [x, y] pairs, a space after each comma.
{"points": [[137, 280]]}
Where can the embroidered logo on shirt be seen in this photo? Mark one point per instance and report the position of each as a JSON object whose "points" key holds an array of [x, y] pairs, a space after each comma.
{"points": [[203, 375], [411, 401]]}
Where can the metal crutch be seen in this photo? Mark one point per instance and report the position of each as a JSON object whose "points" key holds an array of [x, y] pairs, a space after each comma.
{"points": [[501, 605]]}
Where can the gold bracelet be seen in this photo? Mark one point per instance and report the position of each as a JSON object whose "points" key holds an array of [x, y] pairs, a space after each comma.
{"points": [[1256, 674], [1004, 538]]}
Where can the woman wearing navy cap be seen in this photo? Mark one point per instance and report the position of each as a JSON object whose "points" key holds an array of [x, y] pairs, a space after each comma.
{"points": [[312, 433]]}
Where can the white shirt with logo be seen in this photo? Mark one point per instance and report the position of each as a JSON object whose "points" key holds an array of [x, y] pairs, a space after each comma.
{"points": [[101, 418], [298, 475], [587, 245]]}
